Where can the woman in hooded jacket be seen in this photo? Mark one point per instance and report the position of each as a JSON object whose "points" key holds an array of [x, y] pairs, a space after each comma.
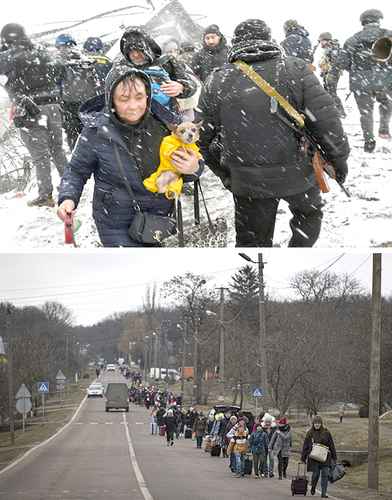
{"points": [[120, 146], [321, 435]]}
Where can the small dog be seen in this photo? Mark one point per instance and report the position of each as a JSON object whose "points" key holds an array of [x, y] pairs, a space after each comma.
{"points": [[167, 179]]}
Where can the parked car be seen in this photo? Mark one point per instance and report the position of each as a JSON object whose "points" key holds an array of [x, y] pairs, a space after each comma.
{"points": [[117, 396], [111, 368], [95, 390]]}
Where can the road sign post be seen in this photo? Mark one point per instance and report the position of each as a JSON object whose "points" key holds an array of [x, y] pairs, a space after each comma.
{"points": [[257, 393], [23, 403], [43, 388]]}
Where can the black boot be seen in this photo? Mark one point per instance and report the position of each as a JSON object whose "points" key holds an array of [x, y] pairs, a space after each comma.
{"points": [[42, 201], [313, 489], [369, 146]]}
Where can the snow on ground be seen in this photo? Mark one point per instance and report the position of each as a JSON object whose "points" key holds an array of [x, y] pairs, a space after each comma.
{"points": [[359, 222]]}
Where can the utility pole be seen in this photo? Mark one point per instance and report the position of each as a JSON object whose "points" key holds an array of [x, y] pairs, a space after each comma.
{"points": [[195, 365], [262, 333], [184, 335], [155, 354], [222, 345], [145, 358], [374, 390], [11, 394]]}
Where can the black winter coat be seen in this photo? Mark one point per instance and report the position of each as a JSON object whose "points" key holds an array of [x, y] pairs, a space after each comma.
{"points": [[322, 436], [171, 424], [138, 146], [356, 57], [31, 71], [207, 59], [297, 44], [250, 149]]}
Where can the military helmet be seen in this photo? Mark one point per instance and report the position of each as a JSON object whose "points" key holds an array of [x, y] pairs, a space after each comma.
{"points": [[12, 33], [371, 16], [290, 24]]}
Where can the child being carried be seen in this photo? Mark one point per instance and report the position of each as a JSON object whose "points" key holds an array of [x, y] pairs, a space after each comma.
{"points": [[166, 179]]}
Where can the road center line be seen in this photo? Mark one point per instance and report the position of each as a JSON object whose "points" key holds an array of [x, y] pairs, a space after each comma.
{"points": [[138, 473]]}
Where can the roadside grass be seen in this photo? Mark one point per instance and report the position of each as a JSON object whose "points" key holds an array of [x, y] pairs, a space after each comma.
{"points": [[40, 428]]}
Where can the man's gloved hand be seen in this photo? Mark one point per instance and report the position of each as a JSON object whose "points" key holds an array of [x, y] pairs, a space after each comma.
{"points": [[341, 170]]}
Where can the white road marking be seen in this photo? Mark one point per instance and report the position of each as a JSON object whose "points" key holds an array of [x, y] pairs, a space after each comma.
{"points": [[44, 443], [93, 423], [138, 473], [139, 423]]}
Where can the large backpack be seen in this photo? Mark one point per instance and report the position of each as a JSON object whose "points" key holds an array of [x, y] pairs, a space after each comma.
{"points": [[81, 81]]}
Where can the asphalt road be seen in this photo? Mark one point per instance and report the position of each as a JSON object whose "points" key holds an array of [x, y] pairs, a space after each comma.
{"points": [[93, 459]]}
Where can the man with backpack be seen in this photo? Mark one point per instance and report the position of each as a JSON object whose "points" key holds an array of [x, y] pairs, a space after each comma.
{"points": [[84, 78], [33, 77], [370, 80]]}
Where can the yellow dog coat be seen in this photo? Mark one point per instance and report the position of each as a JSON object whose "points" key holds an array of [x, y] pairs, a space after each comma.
{"points": [[169, 145]]}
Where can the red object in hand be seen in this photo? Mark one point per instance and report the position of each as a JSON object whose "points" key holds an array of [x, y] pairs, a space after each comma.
{"points": [[68, 229]]}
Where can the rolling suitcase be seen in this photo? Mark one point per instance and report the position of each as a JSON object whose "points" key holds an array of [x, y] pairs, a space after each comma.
{"points": [[216, 450], [188, 434], [299, 484], [248, 464]]}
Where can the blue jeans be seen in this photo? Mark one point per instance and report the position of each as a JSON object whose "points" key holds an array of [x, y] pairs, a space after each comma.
{"points": [[324, 470], [232, 462], [269, 464], [239, 463]]}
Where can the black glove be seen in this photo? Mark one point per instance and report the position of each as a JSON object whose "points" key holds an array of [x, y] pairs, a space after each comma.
{"points": [[341, 170]]}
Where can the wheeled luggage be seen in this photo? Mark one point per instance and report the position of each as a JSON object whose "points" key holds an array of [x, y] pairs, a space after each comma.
{"points": [[162, 430], [216, 450], [188, 434], [248, 464], [299, 484], [207, 444]]}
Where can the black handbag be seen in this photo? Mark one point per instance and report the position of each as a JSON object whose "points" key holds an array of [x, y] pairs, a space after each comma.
{"points": [[146, 228], [336, 472]]}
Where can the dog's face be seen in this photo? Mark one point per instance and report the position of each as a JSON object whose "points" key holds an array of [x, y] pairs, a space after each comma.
{"points": [[188, 132]]}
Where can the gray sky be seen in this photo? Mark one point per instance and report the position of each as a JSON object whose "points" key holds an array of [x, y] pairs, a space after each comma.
{"points": [[98, 283], [342, 18]]}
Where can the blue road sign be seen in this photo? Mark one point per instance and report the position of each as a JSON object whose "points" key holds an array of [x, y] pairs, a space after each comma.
{"points": [[258, 393], [43, 386]]}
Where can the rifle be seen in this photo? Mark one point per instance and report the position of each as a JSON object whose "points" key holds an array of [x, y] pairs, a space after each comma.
{"points": [[320, 164]]}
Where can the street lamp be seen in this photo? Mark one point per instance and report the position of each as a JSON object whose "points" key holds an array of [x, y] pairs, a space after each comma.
{"points": [[262, 332], [196, 371]]}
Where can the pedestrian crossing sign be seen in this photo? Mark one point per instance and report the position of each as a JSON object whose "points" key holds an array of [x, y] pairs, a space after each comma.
{"points": [[43, 386], [258, 393]]}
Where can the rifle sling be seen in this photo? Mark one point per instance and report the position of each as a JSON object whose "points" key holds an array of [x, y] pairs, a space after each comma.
{"points": [[270, 91]]}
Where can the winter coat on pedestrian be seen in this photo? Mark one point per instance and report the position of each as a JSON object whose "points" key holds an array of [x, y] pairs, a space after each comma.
{"points": [[239, 442], [249, 148], [281, 442], [138, 146], [366, 74], [31, 71], [321, 436], [208, 58], [171, 424], [297, 44], [200, 426], [135, 37], [258, 443]]}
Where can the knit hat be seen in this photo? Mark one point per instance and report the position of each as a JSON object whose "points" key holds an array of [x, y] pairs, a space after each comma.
{"points": [[252, 29], [212, 29], [371, 16], [282, 422], [93, 44], [326, 35]]}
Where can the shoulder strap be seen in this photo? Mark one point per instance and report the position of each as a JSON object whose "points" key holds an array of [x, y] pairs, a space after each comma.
{"points": [[270, 91], [124, 178]]}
